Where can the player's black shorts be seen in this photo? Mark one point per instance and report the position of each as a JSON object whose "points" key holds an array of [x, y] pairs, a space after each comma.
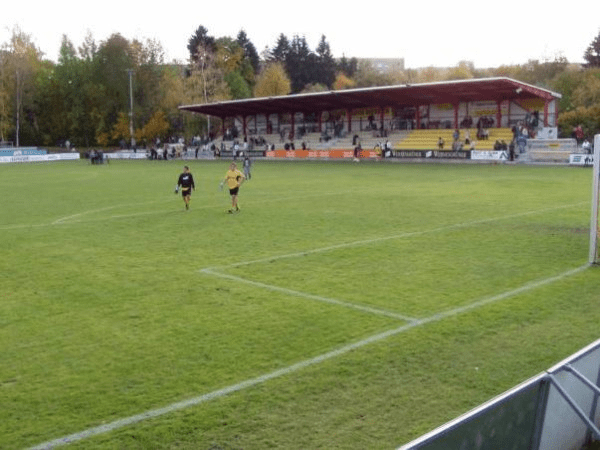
{"points": [[234, 191], [186, 192]]}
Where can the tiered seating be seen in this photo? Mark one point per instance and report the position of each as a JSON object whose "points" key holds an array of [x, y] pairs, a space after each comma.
{"points": [[428, 139], [425, 140]]}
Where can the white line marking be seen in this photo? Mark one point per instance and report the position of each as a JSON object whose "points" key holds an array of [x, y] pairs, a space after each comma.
{"points": [[94, 431], [67, 221], [318, 298], [387, 238], [106, 208], [21, 226]]}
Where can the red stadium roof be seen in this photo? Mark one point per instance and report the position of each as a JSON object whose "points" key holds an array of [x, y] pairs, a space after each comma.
{"points": [[454, 92]]}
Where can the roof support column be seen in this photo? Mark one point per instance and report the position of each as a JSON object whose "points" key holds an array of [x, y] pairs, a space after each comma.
{"points": [[349, 116], [293, 130], [223, 130], [499, 114], [279, 123], [456, 106], [320, 122], [381, 116], [546, 112], [418, 117], [244, 126]]}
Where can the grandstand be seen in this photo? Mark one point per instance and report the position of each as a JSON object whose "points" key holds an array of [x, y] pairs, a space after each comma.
{"points": [[410, 117], [400, 140], [428, 139]]}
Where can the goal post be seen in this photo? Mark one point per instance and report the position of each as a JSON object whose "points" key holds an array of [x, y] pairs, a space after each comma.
{"points": [[594, 229]]}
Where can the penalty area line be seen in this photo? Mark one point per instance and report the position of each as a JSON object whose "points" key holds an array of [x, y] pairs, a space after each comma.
{"points": [[403, 235], [153, 413], [332, 301]]}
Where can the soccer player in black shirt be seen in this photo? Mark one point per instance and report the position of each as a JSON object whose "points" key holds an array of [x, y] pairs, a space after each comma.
{"points": [[186, 181]]}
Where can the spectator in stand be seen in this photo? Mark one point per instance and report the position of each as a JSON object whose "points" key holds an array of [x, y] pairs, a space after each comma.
{"points": [[521, 143], [511, 150], [467, 137], [578, 132], [357, 151], [456, 135], [440, 143], [247, 166], [586, 147]]}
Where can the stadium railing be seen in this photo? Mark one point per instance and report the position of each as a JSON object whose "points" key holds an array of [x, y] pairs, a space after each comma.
{"points": [[550, 150], [555, 410]]}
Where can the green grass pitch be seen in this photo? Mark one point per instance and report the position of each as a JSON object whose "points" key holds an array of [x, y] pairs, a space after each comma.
{"points": [[348, 306]]}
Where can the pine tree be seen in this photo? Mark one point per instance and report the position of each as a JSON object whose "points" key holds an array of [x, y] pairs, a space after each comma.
{"points": [[592, 54]]}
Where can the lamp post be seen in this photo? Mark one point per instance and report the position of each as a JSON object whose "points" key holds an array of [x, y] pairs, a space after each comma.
{"points": [[203, 58], [18, 108], [130, 72]]}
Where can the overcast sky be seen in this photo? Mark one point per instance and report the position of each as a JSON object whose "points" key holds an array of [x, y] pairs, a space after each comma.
{"points": [[425, 33]]}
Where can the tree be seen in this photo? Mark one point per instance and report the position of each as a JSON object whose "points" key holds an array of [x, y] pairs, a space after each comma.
{"points": [[281, 50], [148, 65], [272, 81], [110, 68], [204, 81], [587, 117], [88, 48], [368, 76], [300, 63], [343, 82], [348, 66], [238, 87], [120, 130], [326, 66], [587, 92], [313, 88], [157, 126], [200, 40], [592, 53], [463, 71], [566, 83], [20, 65], [250, 53]]}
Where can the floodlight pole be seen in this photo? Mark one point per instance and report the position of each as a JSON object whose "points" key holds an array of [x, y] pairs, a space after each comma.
{"points": [[130, 72], [18, 108], [203, 58]]}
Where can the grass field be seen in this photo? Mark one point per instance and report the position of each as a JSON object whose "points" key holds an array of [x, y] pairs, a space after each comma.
{"points": [[348, 306]]}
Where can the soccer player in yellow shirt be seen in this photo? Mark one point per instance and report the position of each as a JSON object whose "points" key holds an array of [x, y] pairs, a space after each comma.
{"points": [[234, 179]]}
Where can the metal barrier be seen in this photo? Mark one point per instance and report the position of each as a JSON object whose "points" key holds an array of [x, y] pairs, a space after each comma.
{"points": [[556, 410]]}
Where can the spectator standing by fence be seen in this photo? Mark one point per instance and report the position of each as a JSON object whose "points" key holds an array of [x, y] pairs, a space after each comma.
{"points": [[247, 166]]}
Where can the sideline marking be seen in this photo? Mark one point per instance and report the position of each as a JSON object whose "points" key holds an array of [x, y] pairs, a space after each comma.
{"points": [[333, 301], [131, 420], [67, 219], [106, 208]]}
